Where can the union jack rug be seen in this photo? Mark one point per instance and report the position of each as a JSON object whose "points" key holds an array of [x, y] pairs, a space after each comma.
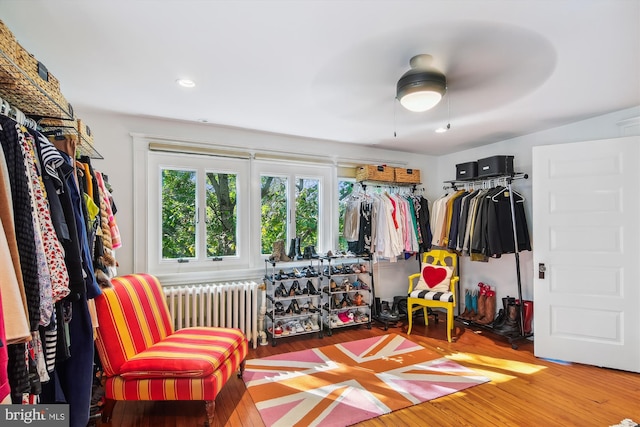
{"points": [[343, 384]]}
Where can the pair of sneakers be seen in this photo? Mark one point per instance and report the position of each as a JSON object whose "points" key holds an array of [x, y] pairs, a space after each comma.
{"points": [[360, 317], [310, 325], [360, 285], [346, 317], [334, 321], [293, 327]]}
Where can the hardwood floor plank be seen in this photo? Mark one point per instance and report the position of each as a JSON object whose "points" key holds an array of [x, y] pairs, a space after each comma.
{"points": [[524, 390]]}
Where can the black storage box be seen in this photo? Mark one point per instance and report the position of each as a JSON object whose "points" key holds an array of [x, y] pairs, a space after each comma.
{"points": [[467, 170], [495, 165]]}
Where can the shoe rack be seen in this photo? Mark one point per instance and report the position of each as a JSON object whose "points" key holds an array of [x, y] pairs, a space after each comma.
{"points": [[293, 300], [347, 292]]}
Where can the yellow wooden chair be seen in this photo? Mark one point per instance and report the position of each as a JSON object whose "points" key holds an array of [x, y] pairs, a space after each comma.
{"points": [[434, 286]]}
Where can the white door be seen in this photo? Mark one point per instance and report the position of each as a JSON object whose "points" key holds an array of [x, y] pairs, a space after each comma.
{"points": [[586, 238]]}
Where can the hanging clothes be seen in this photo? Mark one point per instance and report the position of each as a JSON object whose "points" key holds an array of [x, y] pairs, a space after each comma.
{"points": [[389, 224], [23, 217], [478, 223], [51, 225]]}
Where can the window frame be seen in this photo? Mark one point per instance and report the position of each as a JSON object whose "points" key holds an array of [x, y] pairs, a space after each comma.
{"points": [[158, 161], [323, 173]]}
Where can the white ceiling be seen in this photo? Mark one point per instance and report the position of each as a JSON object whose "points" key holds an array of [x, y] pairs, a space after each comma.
{"points": [[328, 69]]}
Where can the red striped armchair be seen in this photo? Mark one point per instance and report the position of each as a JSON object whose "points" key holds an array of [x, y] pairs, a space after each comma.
{"points": [[143, 358]]}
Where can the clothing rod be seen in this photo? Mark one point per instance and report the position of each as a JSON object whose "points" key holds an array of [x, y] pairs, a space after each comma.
{"points": [[494, 180]]}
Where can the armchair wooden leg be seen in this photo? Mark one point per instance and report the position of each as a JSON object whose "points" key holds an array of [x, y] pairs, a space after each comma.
{"points": [[210, 406], [410, 316], [107, 410], [241, 370], [449, 324]]}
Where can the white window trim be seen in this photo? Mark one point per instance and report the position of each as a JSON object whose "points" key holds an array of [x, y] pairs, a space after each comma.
{"points": [[201, 165]]}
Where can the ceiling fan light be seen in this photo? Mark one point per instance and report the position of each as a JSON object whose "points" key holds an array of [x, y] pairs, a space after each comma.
{"points": [[419, 90], [420, 101]]}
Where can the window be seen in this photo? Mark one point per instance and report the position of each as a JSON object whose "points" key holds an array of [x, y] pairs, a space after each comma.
{"points": [[221, 214], [178, 214], [200, 224], [291, 198]]}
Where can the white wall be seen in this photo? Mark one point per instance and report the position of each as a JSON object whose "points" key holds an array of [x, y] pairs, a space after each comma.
{"points": [[113, 141]]}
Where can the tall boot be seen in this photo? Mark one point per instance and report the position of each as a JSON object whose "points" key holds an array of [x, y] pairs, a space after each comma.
{"points": [[467, 304], [482, 294], [314, 254], [298, 253], [283, 255], [307, 253], [502, 315], [474, 305], [511, 327], [489, 308], [481, 303], [276, 252], [292, 250], [527, 307]]}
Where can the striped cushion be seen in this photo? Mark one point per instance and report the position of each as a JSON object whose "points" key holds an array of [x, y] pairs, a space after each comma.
{"points": [[207, 388], [190, 352], [433, 296], [132, 316]]}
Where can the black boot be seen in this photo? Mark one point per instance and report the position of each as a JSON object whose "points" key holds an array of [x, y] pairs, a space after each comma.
{"points": [[511, 326], [292, 250], [502, 314], [314, 254], [307, 253], [297, 246]]}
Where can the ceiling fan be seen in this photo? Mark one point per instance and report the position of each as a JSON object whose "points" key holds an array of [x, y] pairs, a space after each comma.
{"points": [[422, 87]]}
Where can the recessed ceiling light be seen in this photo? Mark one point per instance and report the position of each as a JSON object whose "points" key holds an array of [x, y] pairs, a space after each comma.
{"points": [[444, 129], [186, 82]]}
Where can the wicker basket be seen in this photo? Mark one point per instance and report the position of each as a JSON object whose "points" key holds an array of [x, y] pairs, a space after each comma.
{"points": [[38, 73], [85, 132], [8, 48], [381, 173], [7, 41], [407, 176], [25, 83]]}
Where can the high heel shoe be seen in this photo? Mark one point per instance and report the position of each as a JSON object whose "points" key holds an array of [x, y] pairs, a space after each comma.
{"points": [[311, 290], [295, 289], [296, 307], [346, 301], [280, 291], [279, 308], [312, 308], [336, 301]]}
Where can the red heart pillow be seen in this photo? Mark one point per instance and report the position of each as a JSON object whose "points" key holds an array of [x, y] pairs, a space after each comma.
{"points": [[434, 278]]}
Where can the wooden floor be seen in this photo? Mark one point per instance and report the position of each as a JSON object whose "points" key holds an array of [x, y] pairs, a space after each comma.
{"points": [[524, 390]]}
